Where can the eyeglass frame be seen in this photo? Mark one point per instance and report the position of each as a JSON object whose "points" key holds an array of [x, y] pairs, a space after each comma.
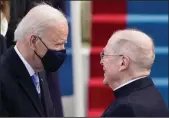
{"points": [[102, 55]]}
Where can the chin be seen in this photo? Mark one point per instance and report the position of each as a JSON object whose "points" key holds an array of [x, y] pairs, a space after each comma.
{"points": [[105, 82], [39, 69]]}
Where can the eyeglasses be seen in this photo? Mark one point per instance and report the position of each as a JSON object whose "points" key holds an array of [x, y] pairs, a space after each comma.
{"points": [[102, 55]]}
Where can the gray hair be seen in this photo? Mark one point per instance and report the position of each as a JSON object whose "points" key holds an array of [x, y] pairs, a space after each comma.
{"points": [[37, 20], [135, 44]]}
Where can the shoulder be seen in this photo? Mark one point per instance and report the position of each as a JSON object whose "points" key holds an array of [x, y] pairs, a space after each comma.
{"points": [[5, 74]]}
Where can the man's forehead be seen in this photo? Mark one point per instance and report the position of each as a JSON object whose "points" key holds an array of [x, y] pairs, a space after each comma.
{"points": [[109, 47]]}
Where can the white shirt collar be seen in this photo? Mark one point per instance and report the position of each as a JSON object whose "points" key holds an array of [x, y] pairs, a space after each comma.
{"points": [[127, 83], [28, 67]]}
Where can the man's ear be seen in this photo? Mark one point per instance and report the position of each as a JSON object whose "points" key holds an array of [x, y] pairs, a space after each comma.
{"points": [[33, 41], [124, 63]]}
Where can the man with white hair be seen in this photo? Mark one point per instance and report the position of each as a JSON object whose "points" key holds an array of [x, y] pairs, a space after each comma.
{"points": [[127, 60], [40, 39]]}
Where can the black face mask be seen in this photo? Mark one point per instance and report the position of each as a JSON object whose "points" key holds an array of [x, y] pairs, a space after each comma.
{"points": [[52, 60]]}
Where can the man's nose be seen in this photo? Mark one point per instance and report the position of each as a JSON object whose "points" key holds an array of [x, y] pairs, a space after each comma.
{"points": [[101, 61]]}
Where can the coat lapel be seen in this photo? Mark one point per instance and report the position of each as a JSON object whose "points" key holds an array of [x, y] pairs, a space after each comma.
{"points": [[32, 94], [43, 93], [46, 95]]}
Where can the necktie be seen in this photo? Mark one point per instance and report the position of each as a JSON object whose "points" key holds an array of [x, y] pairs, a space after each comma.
{"points": [[35, 80]]}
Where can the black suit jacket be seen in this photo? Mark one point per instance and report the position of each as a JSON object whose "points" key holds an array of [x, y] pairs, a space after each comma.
{"points": [[18, 95], [137, 99]]}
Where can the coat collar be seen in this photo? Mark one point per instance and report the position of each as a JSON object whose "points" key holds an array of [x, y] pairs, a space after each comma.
{"points": [[133, 86]]}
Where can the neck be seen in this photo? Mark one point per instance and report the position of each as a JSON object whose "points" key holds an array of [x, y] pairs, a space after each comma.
{"points": [[21, 50], [29, 56], [116, 84], [24, 51], [126, 78]]}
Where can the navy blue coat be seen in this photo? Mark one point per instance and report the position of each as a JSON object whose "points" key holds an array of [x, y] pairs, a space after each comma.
{"points": [[18, 95]]}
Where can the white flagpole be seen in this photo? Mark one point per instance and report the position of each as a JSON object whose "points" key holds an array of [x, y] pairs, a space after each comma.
{"points": [[77, 58]]}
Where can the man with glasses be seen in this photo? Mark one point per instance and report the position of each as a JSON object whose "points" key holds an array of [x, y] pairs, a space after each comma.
{"points": [[127, 60], [40, 39]]}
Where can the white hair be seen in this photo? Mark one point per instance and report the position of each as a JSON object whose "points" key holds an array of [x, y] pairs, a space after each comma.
{"points": [[135, 44], [37, 20]]}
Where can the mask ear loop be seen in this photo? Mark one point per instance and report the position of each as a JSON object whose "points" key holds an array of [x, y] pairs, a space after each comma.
{"points": [[36, 37], [42, 41], [38, 55]]}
